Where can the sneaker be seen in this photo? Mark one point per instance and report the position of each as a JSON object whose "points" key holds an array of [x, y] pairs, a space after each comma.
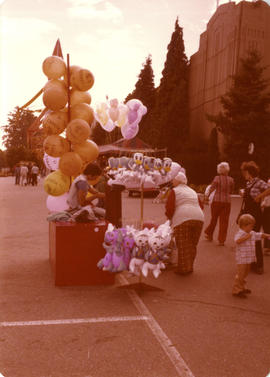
{"points": [[208, 238], [240, 294], [247, 291], [259, 270]]}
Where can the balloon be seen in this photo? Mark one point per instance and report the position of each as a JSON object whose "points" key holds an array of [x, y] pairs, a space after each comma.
{"points": [[54, 122], [114, 102], [122, 118], [132, 116], [109, 126], [55, 98], [82, 79], [56, 183], [129, 132], [82, 111], [55, 145], [102, 114], [76, 96], [78, 130], [54, 67], [71, 164], [113, 113], [54, 83], [57, 203], [88, 150], [51, 162], [134, 104]]}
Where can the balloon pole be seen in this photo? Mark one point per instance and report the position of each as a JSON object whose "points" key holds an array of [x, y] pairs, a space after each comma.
{"points": [[140, 286], [68, 93]]}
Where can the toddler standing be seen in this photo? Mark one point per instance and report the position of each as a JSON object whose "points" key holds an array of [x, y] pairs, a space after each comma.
{"points": [[245, 240]]}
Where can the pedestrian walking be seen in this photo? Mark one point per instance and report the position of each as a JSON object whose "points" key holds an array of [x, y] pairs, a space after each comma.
{"points": [[251, 205], [29, 174], [23, 175], [187, 218], [17, 172], [264, 198], [34, 173], [245, 252], [223, 185]]}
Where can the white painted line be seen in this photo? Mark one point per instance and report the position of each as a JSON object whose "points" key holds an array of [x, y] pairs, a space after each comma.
{"points": [[178, 362], [73, 321]]}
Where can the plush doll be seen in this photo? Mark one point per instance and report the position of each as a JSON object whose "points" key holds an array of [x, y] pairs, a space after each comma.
{"points": [[153, 261], [139, 251], [148, 164], [118, 255], [113, 163], [110, 238], [166, 165], [123, 162], [128, 245], [136, 163]]}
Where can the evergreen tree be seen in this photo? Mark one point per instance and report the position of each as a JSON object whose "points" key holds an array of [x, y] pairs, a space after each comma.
{"points": [[245, 117], [145, 92], [171, 111]]}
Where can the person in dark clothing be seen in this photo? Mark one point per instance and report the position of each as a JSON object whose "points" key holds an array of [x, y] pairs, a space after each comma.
{"points": [[251, 205]]}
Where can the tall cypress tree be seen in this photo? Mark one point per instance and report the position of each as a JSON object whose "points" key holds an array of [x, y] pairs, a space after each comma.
{"points": [[171, 112], [145, 92], [245, 117]]}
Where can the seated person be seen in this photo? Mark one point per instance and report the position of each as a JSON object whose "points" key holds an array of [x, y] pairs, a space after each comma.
{"points": [[77, 196]]}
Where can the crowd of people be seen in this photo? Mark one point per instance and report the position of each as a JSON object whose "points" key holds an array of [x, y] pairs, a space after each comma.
{"points": [[26, 174], [185, 211]]}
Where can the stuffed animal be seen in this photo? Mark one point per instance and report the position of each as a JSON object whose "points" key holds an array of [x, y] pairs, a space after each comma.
{"points": [[123, 162], [128, 245], [110, 238], [139, 251], [113, 163], [136, 163], [166, 164]]}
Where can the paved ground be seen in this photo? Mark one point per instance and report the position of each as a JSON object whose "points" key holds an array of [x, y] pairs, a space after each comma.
{"points": [[194, 327]]}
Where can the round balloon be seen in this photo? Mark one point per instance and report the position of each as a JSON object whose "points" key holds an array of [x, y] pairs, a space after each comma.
{"points": [[55, 145], [57, 203], [122, 118], [88, 150], [77, 96], [71, 164], [55, 84], [56, 183], [82, 79], [78, 130], [55, 98], [129, 132], [82, 111], [54, 122], [54, 67]]}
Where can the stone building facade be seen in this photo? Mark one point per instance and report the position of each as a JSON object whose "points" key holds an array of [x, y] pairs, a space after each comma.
{"points": [[231, 32]]}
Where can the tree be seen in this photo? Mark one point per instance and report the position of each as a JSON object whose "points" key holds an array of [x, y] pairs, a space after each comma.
{"points": [[245, 117], [171, 111], [145, 92], [16, 130], [15, 137]]}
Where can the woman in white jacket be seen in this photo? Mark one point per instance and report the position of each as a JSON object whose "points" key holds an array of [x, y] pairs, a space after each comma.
{"points": [[184, 210]]}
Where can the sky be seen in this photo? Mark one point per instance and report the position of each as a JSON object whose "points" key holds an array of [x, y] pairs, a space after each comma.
{"points": [[110, 38]]}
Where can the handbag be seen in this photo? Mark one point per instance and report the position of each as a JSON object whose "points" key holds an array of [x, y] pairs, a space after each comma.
{"points": [[243, 209]]}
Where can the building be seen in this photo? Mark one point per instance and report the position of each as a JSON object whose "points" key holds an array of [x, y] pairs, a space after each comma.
{"points": [[231, 32]]}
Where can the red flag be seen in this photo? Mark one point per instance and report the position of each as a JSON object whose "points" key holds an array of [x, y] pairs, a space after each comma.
{"points": [[57, 49]]}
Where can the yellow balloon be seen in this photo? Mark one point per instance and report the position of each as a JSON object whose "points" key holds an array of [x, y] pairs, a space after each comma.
{"points": [[77, 96], [82, 111], [55, 122], [56, 183], [88, 150], [54, 67], [55, 98], [78, 130], [55, 145], [71, 164]]}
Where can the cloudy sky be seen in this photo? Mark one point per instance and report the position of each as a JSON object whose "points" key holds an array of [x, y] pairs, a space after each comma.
{"points": [[110, 38]]}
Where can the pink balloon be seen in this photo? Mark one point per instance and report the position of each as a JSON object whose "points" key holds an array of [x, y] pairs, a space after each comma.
{"points": [[57, 203], [114, 113], [132, 116], [134, 104], [129, 132], [109, 126]]}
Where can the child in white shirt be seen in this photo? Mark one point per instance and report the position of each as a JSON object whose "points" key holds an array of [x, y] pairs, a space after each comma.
{"points": [[245, 240]]}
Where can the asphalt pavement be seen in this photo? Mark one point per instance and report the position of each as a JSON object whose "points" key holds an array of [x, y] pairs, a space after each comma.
{"points": [[193, 326]]}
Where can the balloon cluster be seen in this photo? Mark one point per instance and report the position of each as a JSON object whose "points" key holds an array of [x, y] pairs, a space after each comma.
{"points": [[74, 150], [125, 116]]}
